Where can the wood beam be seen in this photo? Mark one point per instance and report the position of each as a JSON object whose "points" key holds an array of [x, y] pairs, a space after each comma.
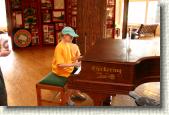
{"points": [[125, 19]]}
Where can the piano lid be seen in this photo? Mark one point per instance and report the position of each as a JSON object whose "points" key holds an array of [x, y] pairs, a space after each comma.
{"points": [[118, 50]]}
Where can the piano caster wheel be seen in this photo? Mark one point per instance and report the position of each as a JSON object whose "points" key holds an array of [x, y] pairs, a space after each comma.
{"points": [[107, 101]]}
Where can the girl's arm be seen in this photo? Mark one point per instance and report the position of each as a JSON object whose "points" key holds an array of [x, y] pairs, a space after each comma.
{"points": [[70, 65]]}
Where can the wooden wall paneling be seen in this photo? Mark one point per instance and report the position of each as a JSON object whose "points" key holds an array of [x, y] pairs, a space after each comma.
{"points": [[8, 14], [40, 23], [125, 19], [11, 21], [90, 21], [10, 24], [110, 19]]}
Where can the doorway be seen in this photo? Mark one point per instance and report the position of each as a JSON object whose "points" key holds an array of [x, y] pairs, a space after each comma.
{"points": [[3, 23], [144, 12]]}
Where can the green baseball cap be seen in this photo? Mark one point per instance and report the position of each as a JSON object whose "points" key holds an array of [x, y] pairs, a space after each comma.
{"points": [[70, 31]]}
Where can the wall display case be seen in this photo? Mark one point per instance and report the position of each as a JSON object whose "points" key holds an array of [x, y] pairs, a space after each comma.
{"points": [[48, 34], [58, 16], [38, 16], [72, 13], [53, 20], [16, 4], [24, 15], [47, 4], [44, 19], [31, 23], [46, 16]]}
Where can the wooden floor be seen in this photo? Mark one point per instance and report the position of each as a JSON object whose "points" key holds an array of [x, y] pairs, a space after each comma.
{"points": [[23, 68]]}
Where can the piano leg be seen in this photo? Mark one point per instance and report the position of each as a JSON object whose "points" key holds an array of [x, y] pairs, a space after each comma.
{"points": [[101, 99], [107, 101]]}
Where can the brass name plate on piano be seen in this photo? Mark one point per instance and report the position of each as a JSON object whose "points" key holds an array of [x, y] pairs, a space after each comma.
{"points": [[106, 69], [104, 72]]}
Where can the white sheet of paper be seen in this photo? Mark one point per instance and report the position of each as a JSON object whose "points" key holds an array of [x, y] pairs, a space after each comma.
{"points": [[78, 71]]}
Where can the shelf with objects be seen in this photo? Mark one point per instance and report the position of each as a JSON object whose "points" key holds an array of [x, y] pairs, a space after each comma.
{"points": [[53, 20], [31, 24], [23, 22], [43, 19], [110, 18], [47, 27], [59, 17], [71, 13]]}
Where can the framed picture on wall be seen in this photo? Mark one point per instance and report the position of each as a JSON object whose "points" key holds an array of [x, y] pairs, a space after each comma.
{"points": [[46, 16], [59, 4], [18, 18], [46, 4], [48, 34], [16, 4], [58, 16]]}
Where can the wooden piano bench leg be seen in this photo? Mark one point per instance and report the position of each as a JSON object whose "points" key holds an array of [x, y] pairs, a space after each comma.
{"points": [[64, 98], [38, 92], [39, 87]]}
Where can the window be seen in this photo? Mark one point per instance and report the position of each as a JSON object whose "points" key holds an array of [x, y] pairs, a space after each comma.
{"points": [[3, 22], [153, 15], [136, 12], [144, 12]]}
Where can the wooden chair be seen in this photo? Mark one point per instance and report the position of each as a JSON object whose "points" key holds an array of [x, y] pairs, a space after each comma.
{"points": [[144, 30], [50, 86]]}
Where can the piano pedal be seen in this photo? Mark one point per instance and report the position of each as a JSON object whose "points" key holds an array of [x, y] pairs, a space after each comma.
{"points": [[143, 101]]}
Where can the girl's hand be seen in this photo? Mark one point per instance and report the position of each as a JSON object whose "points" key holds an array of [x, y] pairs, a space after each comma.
{"points": [[79, 58], [77, 64]]}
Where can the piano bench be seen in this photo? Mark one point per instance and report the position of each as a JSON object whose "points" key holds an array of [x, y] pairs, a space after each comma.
{"points": [[54, 83]]}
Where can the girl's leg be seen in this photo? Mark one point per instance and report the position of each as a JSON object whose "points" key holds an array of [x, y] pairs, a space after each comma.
{"points": [[68, 94]]}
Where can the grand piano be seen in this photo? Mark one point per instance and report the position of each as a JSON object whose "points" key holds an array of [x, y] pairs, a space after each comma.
{"points": [[115, 66]]}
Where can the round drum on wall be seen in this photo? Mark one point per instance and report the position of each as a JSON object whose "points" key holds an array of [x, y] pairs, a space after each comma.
{"points": [[22, 38]]}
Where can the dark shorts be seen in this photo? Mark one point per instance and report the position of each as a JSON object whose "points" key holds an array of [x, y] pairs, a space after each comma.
{"points": [[3, 94]]}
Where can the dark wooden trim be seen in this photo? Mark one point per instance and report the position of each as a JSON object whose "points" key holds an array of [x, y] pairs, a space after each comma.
{"points": [[8, 16], [125, 18], [90, 18]]}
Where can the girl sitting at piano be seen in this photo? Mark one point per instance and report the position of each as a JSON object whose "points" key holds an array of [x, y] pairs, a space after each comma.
{"points": [[64, 61]]}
